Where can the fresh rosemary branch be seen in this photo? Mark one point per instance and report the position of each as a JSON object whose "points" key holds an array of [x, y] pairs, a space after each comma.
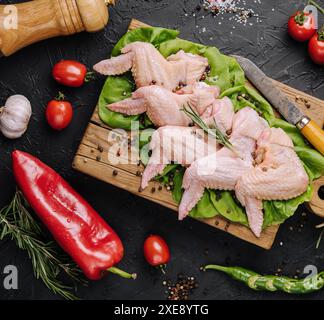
{"points": [[318, 242], [214, 132], [17, 223], [319, 8]]}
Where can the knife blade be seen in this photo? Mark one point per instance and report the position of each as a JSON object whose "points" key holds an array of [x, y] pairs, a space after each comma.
{"points": [[309, 128], [266, 86]]}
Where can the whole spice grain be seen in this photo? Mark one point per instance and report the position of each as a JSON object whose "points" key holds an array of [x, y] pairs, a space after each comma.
{"points": [[182, 289]]}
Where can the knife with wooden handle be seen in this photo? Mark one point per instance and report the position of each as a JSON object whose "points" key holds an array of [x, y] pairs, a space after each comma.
{"points": [[309, 128]]}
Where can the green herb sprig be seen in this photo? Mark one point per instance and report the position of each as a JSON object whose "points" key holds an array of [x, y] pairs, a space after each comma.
{"points": [[318, 242], [215, 132], [17, 223], [315, 4]]}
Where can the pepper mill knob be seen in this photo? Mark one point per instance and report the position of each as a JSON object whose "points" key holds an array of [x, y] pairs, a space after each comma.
{"points": [[94, 14], [26, 23]]}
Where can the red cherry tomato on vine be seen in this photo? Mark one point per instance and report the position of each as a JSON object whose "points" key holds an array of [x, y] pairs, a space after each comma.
{"points": [[70, 73], [316, 48], [156, 251], [59, 113], [301, 26]]}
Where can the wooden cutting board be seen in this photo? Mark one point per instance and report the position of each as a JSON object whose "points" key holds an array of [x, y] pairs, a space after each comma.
{"points": [[96, 156]]}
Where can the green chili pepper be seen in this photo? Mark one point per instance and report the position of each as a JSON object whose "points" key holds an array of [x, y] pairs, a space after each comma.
{"points": [[272, 283]]}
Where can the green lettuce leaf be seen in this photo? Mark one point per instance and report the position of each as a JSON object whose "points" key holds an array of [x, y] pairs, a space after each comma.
{"points": [[227, 74]]}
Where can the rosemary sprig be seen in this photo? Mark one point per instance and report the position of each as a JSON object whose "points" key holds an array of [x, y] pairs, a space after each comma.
{"points": [[17, 223], [318, 242], [319, 8], [214, 132]]}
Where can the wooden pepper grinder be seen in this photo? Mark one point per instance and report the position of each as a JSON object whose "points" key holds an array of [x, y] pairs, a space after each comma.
{"points": [[26, 23]]}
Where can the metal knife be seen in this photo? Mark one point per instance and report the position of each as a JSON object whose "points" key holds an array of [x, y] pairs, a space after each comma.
{"points": [[309, 128]]}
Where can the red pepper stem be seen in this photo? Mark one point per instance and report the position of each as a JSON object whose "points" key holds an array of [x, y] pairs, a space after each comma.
{"points": [[122, 273]]}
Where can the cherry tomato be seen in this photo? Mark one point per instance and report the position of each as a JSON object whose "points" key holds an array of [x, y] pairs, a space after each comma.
{"points": [[156, 251], [70, 73], [316, 48], [301, 26], [59, 114]]}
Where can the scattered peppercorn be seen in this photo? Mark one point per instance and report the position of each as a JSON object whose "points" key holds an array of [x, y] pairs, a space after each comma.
{"points": [[218, 194], [305, 101], [182, 289]]}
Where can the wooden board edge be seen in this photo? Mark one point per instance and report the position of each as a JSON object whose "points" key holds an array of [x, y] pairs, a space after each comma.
{"points": [[125, 180]]}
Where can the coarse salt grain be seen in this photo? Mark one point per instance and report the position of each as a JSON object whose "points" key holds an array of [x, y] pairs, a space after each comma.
{"points": [[238, 8]]}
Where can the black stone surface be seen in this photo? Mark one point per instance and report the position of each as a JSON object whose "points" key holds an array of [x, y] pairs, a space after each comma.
{"points": [[192, 243]]}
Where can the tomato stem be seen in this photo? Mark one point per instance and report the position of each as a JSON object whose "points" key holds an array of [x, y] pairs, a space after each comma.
{"points": [[90, 75], [319, 8], [162, 268], [122, 273], [320, 34], [60, 96], [300, 18]]}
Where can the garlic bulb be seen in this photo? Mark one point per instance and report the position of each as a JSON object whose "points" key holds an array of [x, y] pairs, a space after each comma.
{"points": [[15, 116]]}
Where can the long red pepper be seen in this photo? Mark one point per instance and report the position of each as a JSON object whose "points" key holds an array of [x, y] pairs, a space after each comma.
{"points": [[74, 224]]}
